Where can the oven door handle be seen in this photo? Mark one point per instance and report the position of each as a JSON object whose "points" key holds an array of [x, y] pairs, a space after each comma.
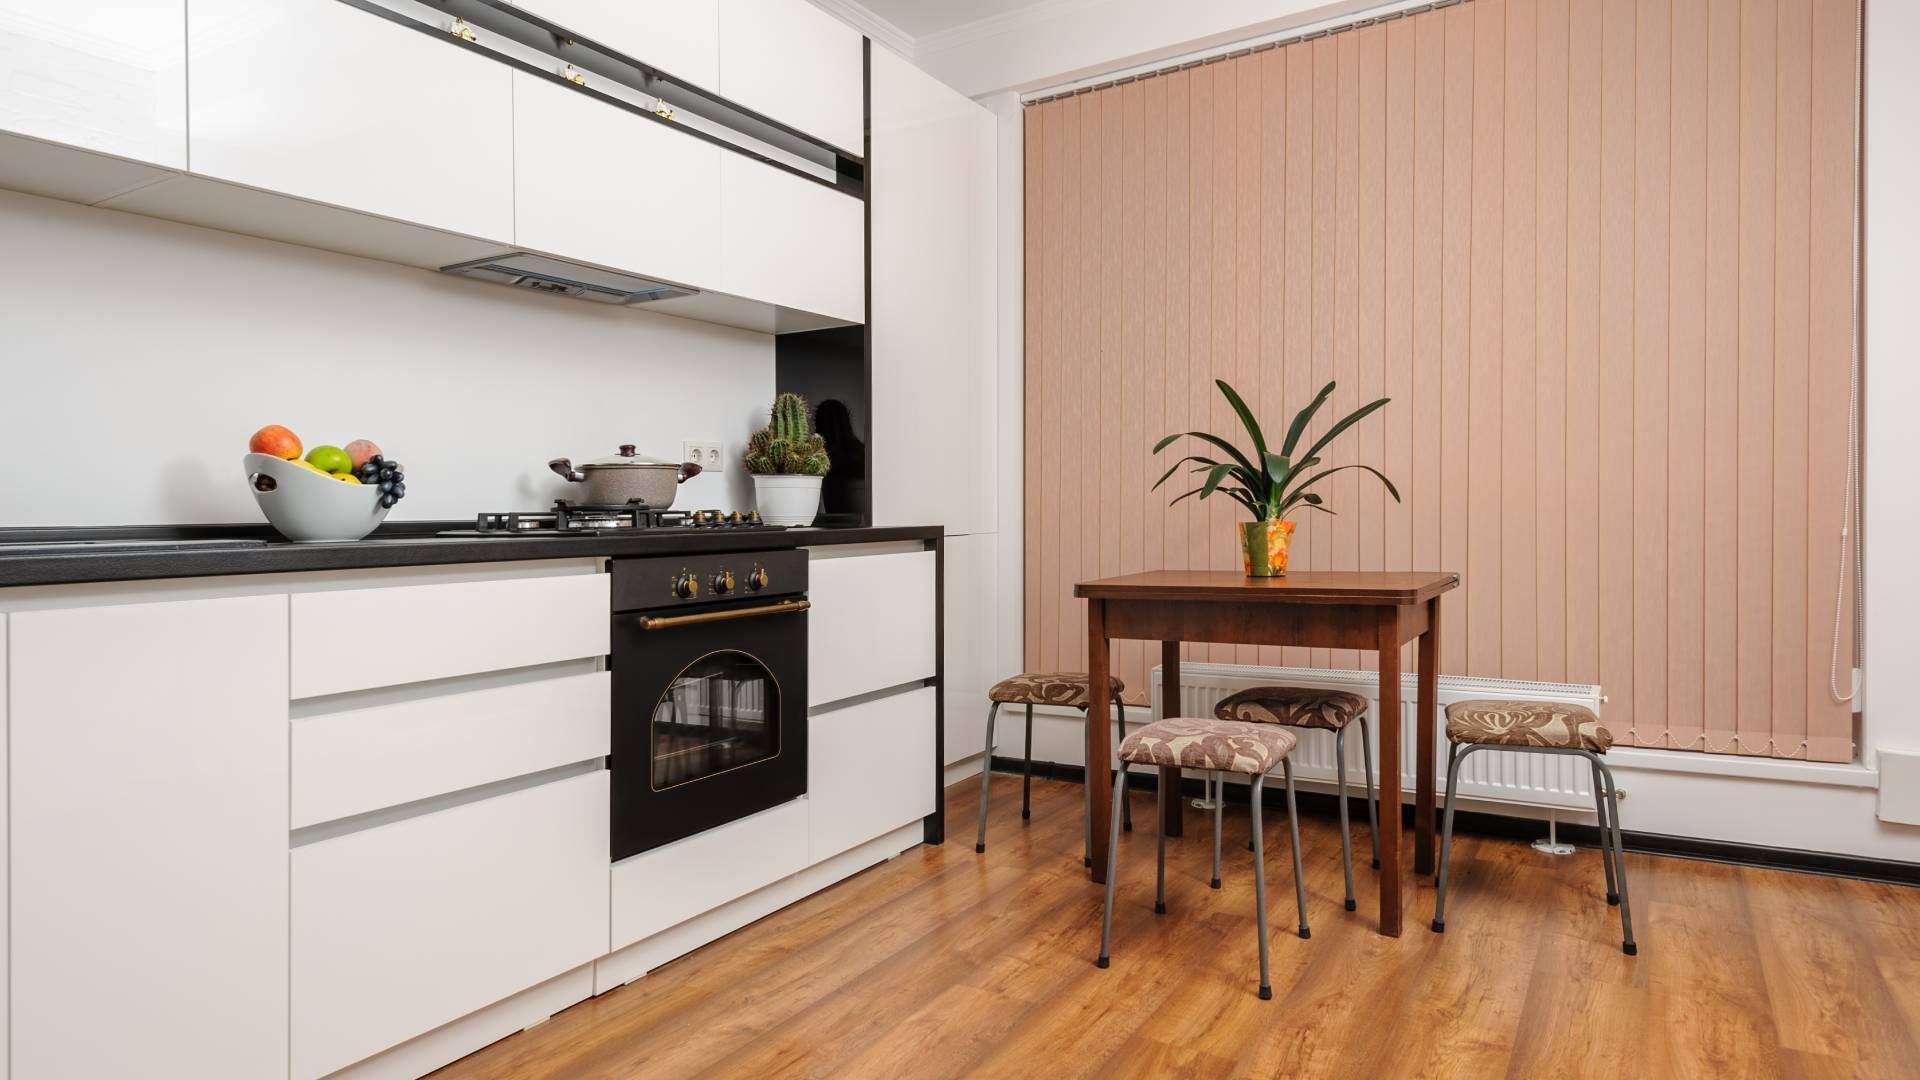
{"points": [[668, 622]]}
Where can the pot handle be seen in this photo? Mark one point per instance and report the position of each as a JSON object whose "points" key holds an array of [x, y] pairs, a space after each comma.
{"points": [[564, 468], [688, 470]]}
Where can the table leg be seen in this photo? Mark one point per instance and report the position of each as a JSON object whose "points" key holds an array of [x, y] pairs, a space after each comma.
{"points": [[1172, 813], [1424, 730], [1389, 648], [1099, 734]]}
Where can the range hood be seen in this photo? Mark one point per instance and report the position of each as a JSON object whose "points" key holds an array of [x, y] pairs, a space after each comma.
{"points": [[546, 274]]}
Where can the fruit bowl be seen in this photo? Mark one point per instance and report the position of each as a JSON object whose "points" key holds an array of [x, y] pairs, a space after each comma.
{"points": [[309, 507]]}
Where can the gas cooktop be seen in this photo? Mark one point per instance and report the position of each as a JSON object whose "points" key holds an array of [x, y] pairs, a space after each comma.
{"points": [[578, 519]]}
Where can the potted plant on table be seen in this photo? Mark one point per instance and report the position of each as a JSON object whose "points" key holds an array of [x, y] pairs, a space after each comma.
{"points": [[1270, 484], [787, 460]]}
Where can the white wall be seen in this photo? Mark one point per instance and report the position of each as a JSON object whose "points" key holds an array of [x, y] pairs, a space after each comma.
{"points": [[137, 356], [1892, 349]]}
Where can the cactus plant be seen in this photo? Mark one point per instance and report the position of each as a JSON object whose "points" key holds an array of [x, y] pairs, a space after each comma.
{"points": [[788, 445]]}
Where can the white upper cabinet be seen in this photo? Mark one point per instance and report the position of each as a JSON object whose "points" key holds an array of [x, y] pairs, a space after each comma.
{"points": [[324, 101], [931, 182], [105, 75], [679, 37], [604, 185], [794, 63], [791, 241]]}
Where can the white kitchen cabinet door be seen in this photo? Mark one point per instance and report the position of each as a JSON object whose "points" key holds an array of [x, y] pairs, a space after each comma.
{"points": [[872, 623], [971, 589], [148, 748], [321, 100], [791, 62], [679, 37], [791, 241], [870, 770], [406, 926], [659, 889], [931, 182], [595, 182], [105, 75]]}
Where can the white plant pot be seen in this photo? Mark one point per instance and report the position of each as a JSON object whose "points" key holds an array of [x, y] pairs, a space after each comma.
{"points": [[787, 500]]}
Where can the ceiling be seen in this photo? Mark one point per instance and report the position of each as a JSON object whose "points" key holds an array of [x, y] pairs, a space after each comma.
{"points": [[919, 18]]}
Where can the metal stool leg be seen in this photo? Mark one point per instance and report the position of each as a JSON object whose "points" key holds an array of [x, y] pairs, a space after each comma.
{"points": [[1026, 772], [986, 771], [1126, 809], [1113, 866], [1620, 862], [1446, 842], [1160, 849], [1299, 876], [1214, 779], [1346, 840], [1260, 886], [1373, 801], [1606, 837]]}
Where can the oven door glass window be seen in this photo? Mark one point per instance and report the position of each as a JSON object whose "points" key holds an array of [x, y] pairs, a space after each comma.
{"points": [[719, 713]]}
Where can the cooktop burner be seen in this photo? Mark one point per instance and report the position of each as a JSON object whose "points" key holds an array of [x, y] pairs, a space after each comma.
{"points": [[580, 519]]}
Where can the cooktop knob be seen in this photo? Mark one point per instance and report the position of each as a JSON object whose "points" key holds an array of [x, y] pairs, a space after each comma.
{"points": [[686, 586], [723, 583], [757, 580], [735, 518], [753, 517]]}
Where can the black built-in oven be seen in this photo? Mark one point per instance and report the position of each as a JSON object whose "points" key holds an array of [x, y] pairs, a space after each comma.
{"points": [[709, 692]]}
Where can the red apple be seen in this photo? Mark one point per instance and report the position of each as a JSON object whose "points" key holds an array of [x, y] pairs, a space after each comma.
{"points": [[277, 441]]}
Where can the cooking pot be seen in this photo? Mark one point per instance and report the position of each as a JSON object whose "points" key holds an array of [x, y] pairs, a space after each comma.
{"points": [[626, 476]]}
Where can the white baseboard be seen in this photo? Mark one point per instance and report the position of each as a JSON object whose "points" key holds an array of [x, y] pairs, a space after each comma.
{"points": [[630, 963], [965, 767], [450, 1042]]}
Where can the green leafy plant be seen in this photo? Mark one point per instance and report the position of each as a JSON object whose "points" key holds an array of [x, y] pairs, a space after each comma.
{"points": [[1269, 483], [788, 445]]}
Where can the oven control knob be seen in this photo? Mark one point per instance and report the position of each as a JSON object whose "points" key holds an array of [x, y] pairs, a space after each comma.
{"points": [[758, 579], [723, 583], [686, 586]]}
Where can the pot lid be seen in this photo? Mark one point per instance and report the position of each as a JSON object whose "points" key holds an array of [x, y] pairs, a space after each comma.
{"points": [[627, 457]]}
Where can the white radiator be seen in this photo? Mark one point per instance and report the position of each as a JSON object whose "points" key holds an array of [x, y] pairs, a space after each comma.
{"points": [[1559, 780]]}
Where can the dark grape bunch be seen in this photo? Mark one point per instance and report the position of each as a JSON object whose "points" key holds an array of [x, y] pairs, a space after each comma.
{"points": [[387, 474]]}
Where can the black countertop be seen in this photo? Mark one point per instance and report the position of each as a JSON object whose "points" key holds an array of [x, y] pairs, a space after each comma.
{"points": [[197, 550]]}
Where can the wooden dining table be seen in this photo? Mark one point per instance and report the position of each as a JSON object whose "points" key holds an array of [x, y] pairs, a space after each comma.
{"points": [[1373, 611]]}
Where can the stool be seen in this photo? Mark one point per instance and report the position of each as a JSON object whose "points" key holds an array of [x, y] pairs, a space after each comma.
{"points": [[1538, 727], [1061, 688], [1217, 746], [1328, 710]]}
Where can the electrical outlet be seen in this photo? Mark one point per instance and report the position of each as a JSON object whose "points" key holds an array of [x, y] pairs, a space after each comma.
{"points": [[704, 454]]}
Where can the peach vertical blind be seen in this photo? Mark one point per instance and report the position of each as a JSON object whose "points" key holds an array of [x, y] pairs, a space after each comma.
{"points": [[1599, 252]]}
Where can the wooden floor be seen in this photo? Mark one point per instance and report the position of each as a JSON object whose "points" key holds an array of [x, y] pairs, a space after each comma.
{"points": [[947, 963]]}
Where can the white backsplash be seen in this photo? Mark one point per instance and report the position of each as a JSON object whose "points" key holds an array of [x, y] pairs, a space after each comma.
{"points": [[137, 356]]}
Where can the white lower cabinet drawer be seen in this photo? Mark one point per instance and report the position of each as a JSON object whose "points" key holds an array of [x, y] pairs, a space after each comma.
{"points": [[658, 889], [872, 623], [407, 926], [359, 760], [870, 770], [360, 639]]}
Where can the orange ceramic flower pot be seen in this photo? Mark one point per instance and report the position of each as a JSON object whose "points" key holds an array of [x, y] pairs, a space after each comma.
{"points": [[1263, 547]]}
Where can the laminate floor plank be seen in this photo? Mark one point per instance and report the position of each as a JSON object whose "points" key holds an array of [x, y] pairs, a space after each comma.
{"points": [[945, 963]]}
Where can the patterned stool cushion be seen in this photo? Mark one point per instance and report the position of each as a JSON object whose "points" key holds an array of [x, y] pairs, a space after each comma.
{"points": [[1192, 742], [1526, 723], [1294, 706], [1069, 688]]}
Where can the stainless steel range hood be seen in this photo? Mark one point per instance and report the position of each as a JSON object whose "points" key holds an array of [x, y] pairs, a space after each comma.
{"points": [[545, 274]]}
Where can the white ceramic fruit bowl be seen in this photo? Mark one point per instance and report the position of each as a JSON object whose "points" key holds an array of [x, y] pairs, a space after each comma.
{"points": [[310, 507]]}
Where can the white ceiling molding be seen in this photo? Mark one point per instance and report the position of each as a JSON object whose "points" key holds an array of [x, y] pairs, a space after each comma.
{"points": [[863, 19], [1050, 44], [1007, 22]]}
